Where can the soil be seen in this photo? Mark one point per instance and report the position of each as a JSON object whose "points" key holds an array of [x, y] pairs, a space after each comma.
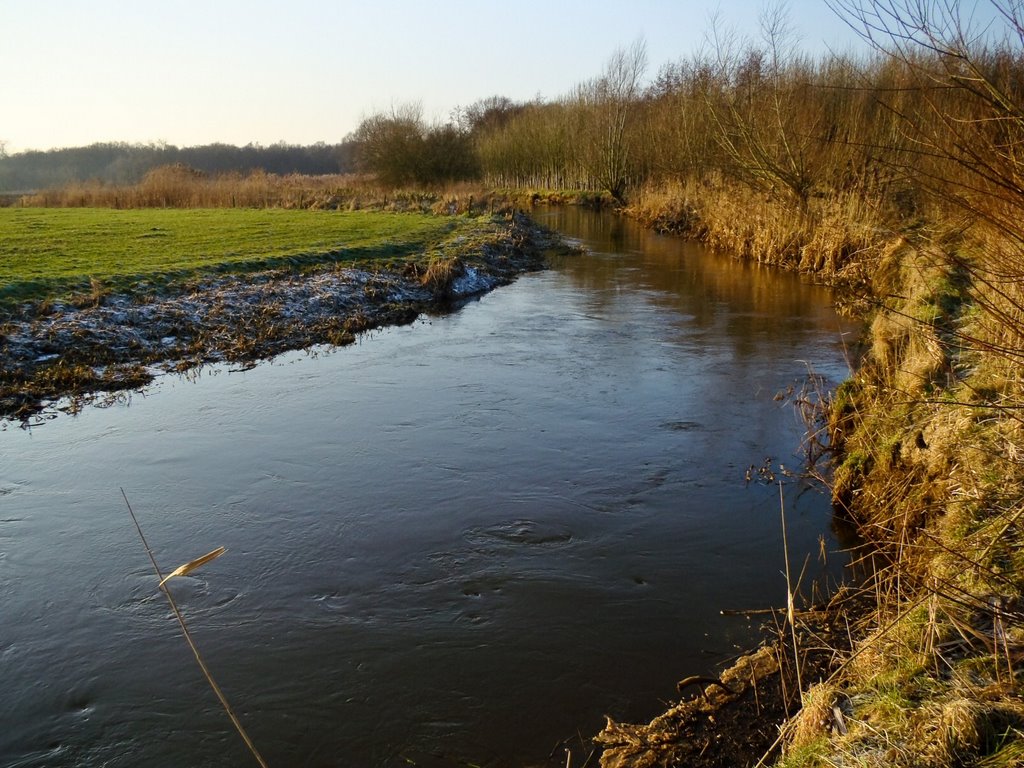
{"points": [[61, 355]]}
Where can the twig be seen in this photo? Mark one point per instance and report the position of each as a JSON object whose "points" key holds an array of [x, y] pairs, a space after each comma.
{"points": [[753, 685], [771, 749], [750, 612], [703, 682], [789, 596]]}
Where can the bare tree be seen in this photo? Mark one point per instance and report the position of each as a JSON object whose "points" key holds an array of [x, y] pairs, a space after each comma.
{"points": [[968, 129], [400, 148], [609, 108], [390, 144], [966, 134], [762, 108]]}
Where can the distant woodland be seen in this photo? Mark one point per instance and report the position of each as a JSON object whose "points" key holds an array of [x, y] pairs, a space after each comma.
{"points": [[119, 163]]}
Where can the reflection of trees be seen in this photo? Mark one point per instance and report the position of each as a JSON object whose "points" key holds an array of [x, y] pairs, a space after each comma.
{"points": [[752, 304]]}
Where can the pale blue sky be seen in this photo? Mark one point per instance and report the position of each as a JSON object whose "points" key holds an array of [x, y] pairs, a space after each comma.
{"points": [[198, 71]]}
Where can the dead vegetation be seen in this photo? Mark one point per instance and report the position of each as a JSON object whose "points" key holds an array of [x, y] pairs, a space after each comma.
{"points": [[835, 239], [178, 186]]}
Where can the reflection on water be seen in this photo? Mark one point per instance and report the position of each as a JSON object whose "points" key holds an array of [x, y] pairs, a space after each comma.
{"points": [[462, 540]]}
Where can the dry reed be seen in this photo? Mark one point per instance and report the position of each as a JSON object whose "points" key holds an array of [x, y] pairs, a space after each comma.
{"points": [[185, 630]]}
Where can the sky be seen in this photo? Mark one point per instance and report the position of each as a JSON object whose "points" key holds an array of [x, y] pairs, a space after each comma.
{"points": [[196, 72]]}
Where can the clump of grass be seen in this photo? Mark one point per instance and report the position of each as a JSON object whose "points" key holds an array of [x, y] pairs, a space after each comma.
{"points": [[815, 721], [670, 207], [956, 732], [97, 291], [441, 272]]}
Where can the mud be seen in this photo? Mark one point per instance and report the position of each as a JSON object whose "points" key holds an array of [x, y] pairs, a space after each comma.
{"points": [[740, 721]]}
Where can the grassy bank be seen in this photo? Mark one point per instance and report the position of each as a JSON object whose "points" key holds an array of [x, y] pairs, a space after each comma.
{"points": [[928, 437], [57, 253], [99, 300]]}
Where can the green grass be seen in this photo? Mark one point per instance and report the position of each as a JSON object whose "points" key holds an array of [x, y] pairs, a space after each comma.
{"points": [[52, 253]]}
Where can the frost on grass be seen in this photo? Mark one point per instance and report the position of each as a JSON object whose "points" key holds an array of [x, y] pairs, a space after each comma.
{"points": [[59, 349]]}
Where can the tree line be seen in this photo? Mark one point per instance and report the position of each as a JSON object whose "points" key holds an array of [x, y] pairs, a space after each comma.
{"points": [[935, 106], [119, 163], [934, 99]]}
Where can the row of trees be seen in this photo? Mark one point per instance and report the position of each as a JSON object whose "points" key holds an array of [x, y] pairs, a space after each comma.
{"points": [[585, 139], [934, 99], [758, 113]]}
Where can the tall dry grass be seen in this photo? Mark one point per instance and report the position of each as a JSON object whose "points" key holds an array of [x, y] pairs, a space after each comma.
{"points": [[177, 186], [838, 239]]}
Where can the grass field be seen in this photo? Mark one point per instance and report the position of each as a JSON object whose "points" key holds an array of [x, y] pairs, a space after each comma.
{"points": [[53, 253], [92, 299]]}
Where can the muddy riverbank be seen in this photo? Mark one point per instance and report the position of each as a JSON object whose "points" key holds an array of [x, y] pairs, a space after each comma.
{"points": [[100, 345]]}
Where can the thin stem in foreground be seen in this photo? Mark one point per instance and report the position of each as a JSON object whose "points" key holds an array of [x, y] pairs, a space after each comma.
{"points": [[790, 612], [191, 643]]}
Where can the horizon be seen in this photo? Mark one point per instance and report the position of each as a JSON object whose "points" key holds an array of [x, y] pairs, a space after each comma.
{"points": [[257, 73]]}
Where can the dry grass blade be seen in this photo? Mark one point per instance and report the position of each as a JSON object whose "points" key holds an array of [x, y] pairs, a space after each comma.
{"points": [[188, 635], [187, 568]]}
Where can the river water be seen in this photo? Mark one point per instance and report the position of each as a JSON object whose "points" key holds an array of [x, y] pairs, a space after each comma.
{"points": [[459, 541]]}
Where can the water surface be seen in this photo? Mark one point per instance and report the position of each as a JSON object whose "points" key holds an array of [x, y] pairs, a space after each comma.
{"points": [[462, 540]]}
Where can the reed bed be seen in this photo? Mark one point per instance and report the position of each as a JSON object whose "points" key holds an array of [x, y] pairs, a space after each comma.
{"points": [[181, 187], [836, 240]]}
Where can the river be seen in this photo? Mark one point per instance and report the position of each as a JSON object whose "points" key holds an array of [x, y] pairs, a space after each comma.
{"points": [[457, 542]]}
